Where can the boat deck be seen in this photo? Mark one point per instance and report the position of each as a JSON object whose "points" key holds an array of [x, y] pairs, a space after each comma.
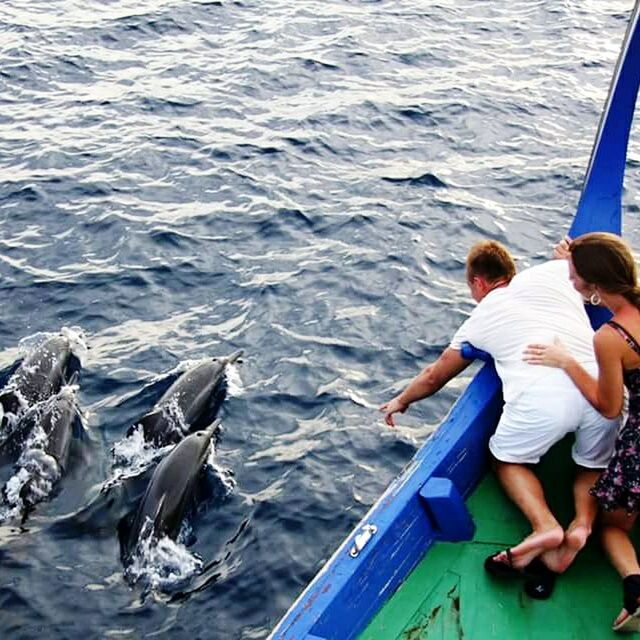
{"points": [[449, 595]]}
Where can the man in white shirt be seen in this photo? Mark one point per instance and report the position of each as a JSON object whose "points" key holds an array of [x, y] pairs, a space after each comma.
{"points": [[541, 405]]}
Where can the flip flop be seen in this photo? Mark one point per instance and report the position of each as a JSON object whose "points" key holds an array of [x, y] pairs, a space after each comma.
{"points": [[630, 623], [540, 580], [631, 586], [502, 569]]}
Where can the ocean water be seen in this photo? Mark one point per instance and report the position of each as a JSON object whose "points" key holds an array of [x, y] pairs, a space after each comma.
{"points": [[302, 181]]}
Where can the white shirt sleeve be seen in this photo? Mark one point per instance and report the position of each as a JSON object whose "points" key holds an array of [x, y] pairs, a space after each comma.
{"points": [[476, 327], [460, 336]]}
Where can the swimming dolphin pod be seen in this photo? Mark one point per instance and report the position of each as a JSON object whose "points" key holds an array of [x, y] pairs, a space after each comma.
{"points": [[186, 401], [38, 412], [170, 492]]}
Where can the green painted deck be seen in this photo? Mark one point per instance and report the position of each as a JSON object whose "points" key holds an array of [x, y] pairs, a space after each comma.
{"points": [[449, 595]]}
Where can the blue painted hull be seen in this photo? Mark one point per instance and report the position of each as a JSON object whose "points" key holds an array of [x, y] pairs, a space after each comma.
{"points": [[408, 518]]}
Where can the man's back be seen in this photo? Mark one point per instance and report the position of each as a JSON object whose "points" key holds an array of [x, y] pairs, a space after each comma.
{"points": [[539, 304]]}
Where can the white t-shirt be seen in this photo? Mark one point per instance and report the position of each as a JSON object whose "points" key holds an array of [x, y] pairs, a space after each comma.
{"points": [[537, 305]]}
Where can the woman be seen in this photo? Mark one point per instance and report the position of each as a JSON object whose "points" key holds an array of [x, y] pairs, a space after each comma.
{"points": [[603, 270]]}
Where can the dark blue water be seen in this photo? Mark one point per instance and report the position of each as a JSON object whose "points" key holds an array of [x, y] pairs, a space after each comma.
{"points": [[302, 181]]}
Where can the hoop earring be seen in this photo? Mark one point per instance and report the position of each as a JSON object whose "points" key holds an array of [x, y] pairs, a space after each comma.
{"points": [[595, 299]]}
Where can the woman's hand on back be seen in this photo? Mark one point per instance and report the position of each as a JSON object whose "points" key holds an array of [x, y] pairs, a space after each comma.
{"points": [[549, 355]]}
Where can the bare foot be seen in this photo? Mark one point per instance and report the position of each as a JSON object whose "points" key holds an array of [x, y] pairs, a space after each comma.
{"points": [[532, 546], [560, 559]]}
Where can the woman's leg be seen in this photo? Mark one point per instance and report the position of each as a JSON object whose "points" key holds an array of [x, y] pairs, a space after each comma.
{"points": [[616, 526]]}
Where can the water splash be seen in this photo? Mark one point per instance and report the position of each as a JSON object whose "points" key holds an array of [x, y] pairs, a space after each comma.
{"points": [[132, 456], [29, 344], [162, 564], [235, 386], [36, 476], [223, 474]]}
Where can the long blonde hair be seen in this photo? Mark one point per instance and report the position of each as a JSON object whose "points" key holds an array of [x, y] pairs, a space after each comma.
{"points": [[605, 260]]}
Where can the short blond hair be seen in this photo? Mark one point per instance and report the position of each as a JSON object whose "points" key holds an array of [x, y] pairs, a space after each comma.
{"points": [[491, 260]]}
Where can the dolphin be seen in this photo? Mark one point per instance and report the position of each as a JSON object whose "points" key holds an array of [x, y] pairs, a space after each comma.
{"points": [[186, 402], [169, 493], [39, 376], [58, 423], [56, 418], [47, 457]]}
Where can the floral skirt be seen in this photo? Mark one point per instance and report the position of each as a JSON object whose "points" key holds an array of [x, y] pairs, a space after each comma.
{"points": [[619, 485]]}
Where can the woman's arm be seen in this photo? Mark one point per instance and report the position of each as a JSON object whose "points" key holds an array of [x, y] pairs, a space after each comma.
{"points": [[609, 397], [606, 392]]}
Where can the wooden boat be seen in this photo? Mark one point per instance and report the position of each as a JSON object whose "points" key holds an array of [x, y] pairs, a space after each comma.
{"points": [[412, 568]]}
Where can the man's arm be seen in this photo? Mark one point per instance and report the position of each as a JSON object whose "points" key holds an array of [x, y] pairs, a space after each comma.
{"points": [[431, 379]]}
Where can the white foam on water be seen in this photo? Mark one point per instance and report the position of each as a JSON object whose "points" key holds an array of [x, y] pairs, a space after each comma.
{"points": [[162, 563], [235, 386], [132, 456], [36, 476], [13, 501], [222, 473]]}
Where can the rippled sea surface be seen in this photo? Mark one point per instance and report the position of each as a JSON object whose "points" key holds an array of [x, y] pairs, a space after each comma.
{"points": [[300, 180]]}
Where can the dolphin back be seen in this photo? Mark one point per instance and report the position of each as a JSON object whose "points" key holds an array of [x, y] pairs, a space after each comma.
{"points": [[191, 401], [170, 491], [40, 375], [58, 424]]}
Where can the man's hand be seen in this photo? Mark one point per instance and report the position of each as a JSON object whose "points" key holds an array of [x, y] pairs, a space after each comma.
{"points": [[391, 407], [561, 250], [432, 378]]}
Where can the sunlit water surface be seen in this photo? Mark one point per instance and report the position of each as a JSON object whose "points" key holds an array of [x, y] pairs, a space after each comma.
{"points": [[300, 180]]}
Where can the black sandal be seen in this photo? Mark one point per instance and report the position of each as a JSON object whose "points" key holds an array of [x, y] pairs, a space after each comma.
{"points": [[502, 569], [540, 581], [631, 591]]}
